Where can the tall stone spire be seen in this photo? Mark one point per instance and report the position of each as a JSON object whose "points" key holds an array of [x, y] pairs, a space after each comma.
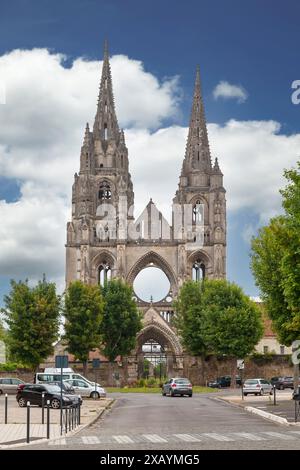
{"points": [[106, 124], [197, 154]]}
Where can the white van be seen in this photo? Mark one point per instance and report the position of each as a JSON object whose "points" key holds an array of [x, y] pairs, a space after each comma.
{"points": [[54, 375]]}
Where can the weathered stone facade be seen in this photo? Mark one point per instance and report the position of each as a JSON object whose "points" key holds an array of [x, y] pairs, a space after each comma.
{"points": [[97, 249]]}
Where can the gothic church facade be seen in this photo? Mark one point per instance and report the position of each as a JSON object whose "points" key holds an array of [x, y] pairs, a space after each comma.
{"points": [[98, 248]]}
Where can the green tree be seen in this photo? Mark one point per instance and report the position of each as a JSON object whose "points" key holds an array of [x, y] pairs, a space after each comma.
{"points": [[233, 323], [189, 320], [83, 312], [275, 263], [267, 254], [32, 315], [278, 274], [121, 320]]}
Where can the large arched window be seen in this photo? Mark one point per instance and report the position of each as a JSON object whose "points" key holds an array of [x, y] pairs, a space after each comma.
{"points": [[104, 191], [198, 271], [104, 273]]}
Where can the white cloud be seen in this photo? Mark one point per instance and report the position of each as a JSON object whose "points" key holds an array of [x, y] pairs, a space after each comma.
{"points": [[227, 90], [41, 130], [253, 155]]}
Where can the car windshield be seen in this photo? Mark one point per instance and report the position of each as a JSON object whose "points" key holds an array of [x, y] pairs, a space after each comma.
{"points": [[251, 382], [52, 388]]}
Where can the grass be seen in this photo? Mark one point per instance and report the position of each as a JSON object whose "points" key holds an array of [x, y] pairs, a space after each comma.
{"points": [[196, 389]]}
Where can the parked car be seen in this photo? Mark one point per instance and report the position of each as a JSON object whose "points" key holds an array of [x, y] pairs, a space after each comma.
{"points": [[48, 377], [33, 394], [177, 386], [86, 389], [282, 383], [10, 384], [224, 381], [66, 387], [257, 387]]}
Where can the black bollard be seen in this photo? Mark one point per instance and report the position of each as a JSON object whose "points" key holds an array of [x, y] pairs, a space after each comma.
{"points": [[66, 420], [274, 392], [5, 409], [43, 405], [48, 419], [28, 423]]}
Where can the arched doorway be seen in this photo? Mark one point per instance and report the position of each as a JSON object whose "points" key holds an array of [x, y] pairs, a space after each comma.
{"points": [[158, 351]]}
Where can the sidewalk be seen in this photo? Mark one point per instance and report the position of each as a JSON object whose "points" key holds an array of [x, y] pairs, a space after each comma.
{"points": [[15, 431], [284, 408]]}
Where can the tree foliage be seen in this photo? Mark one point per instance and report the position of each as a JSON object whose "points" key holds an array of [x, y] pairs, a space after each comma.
{"points": [[275, 263], [83, 312], [233, 323], [32, 315], [121, 319], [189, 318]]}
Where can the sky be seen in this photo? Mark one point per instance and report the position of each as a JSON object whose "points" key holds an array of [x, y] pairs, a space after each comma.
{"points": [[50, 66]]}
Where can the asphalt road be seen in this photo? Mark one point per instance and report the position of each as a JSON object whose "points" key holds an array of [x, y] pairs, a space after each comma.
{"points": [[150, 421]]}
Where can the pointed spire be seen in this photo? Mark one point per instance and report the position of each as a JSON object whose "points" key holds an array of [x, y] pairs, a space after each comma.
{"points": [[86, 139], [197, 155], [106, 123], [216, 168], [122, 137]]}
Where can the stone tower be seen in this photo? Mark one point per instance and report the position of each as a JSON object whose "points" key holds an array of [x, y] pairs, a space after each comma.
{"points": [[99, 247]]}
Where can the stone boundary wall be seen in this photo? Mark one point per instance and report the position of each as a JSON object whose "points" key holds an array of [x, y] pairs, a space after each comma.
{"points": [[199, 372]]}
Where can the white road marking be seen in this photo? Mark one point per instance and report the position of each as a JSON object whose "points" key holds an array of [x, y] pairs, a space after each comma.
{"points": [[217, 437], [154, 438], [278, 435], [90, 440], [123, 439], [248, 435], [58, 442], [187, 438]]}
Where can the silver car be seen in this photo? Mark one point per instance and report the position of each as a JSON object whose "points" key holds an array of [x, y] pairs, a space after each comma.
{"points": [[177, 386], [257, 387], [10, 385], [86, 389]]}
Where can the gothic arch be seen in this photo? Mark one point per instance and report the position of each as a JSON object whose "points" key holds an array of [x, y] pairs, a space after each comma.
{"points": [[156, 260], [105, 257], [160, 333], [203, 257], [203, 200]]}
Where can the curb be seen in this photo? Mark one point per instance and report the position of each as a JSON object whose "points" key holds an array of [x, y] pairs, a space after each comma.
{"points": [[65, 436], [264, 414]]}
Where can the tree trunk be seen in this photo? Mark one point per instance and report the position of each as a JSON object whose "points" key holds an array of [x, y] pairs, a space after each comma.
{"points": [[202, 371], [233, 373], [110, 374]]}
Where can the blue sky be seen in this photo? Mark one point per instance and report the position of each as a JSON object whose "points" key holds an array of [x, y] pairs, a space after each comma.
{"points": [[251, 44]]}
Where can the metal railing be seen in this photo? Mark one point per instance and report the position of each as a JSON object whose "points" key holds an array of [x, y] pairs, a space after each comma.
{"points": [[71, 417]]}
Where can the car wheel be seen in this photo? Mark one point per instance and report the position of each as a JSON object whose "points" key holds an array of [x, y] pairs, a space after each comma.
{"points": [[190, 395], [94, 395], [1, 392], [271, 392], [22, 402], [255, 394], [245, 394], [262, 392], [281, 387], [163, 394], [55, 403]]}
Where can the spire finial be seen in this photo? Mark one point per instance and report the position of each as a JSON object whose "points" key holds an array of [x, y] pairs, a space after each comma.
{"points": [[106, 124], [197, 150], [105, 49]]}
